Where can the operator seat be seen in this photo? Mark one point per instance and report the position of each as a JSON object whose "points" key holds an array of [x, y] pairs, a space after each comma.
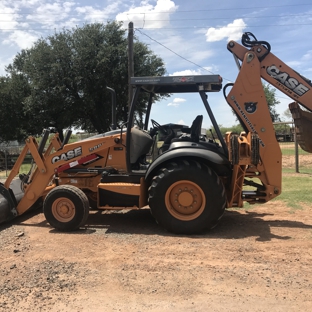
{"points": [[194, 133], [196, 128], [140, 144]]}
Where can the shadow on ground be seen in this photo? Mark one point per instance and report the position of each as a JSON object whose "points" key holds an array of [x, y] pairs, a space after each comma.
{"points": [[233, 225]]}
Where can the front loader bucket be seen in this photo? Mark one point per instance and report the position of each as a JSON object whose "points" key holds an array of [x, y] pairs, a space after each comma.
{"points": [[9, 198], [303, 124]]}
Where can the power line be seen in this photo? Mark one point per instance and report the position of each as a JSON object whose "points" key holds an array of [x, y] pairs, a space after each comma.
{"points": [[170, 28], [185, 11], [178, 19], [189, 19], [180, 11], [182, 57], [228, 9], [205, 27], [231, 17], [177, 54], [172, 50]]}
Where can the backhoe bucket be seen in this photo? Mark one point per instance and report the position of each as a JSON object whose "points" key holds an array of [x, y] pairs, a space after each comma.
{"points": [[303, 124], [9, 198]]}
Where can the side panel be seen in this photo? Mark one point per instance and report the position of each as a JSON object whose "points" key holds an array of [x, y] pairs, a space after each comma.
{"points": [[118, 195], [113, 199], [116, 157]]}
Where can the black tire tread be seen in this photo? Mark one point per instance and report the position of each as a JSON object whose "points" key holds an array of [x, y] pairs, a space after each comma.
{"points": [[155, 200], [80, 220]]}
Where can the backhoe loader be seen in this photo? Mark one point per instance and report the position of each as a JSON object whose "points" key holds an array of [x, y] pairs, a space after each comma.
{"points": [[187, 181]]}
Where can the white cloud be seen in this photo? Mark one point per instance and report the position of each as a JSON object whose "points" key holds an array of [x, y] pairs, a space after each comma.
{"points": [[301, 63], [294, 63], [199, 56], [149, 16], [92, 14], [232, 31], [181, 122], [8, 18], [193, 72], [28, 3], [186, 72], [176, 102], [173, 104], [307, 56], [51, 14], [21, 38], [179, 100]]}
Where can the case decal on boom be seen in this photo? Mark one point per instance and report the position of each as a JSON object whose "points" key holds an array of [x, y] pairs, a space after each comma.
{"points": [[68, 155], [287, 81]]}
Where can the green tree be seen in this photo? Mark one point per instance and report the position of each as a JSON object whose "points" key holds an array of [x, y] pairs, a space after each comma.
{"points": [[287, 114], [237, 129], [13, 118], [272, 101], [68, 73]]}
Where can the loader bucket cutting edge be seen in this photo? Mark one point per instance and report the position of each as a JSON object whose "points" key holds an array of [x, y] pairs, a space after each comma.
{"points": [[9, 198], [303, 123]]}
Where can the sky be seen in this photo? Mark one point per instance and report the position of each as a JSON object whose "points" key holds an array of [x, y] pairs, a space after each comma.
{"points": [[190, 36]]}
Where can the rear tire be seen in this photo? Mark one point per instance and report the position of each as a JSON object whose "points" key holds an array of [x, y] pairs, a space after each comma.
{"points": [[66, 208], [187, 197]]}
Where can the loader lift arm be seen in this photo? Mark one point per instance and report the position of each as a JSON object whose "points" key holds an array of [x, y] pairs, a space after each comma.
{"points": [[57, 157]]}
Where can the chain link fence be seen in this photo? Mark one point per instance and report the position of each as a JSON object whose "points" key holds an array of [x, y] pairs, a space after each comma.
{"points": [[294, 158]]}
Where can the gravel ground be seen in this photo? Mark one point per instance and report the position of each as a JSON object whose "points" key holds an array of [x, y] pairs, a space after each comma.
{"points": [[255, 260]]}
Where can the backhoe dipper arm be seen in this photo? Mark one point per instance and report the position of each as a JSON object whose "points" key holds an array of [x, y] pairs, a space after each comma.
{"points": [[274, 71], [248, 100], [285, 79]]}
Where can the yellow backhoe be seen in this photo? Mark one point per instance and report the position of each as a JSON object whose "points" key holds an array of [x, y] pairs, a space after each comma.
{"points": [[185, 179]]}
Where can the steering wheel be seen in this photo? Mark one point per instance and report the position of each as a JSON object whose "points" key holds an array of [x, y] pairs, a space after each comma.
{"points": [[158, 126]]}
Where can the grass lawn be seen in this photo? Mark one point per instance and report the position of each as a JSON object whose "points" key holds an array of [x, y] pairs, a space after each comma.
{"points": [[24, 169], [296, 189], [289, 149]]}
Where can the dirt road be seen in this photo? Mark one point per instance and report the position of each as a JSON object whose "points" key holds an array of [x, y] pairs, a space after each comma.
{"points": [[255, 260]]}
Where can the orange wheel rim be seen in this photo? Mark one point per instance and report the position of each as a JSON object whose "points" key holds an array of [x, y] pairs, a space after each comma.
{"points": [[63, 209], [185, 200]]}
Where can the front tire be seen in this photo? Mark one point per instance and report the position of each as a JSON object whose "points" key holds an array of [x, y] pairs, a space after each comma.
{"points": [[66, 208], [187, 197]]}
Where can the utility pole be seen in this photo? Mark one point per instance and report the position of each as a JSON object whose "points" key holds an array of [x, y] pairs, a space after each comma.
{"points": [[130, 63]]}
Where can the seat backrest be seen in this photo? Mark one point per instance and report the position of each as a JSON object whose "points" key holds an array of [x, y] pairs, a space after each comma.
{"points": [[196, 128], [141, 142]]}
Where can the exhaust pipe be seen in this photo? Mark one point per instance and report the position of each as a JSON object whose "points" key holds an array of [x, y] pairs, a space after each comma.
{"points": [[9, 198]]}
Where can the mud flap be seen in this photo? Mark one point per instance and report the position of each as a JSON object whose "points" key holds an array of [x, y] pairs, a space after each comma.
{"points": [[9, 198], [303, 123]]}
